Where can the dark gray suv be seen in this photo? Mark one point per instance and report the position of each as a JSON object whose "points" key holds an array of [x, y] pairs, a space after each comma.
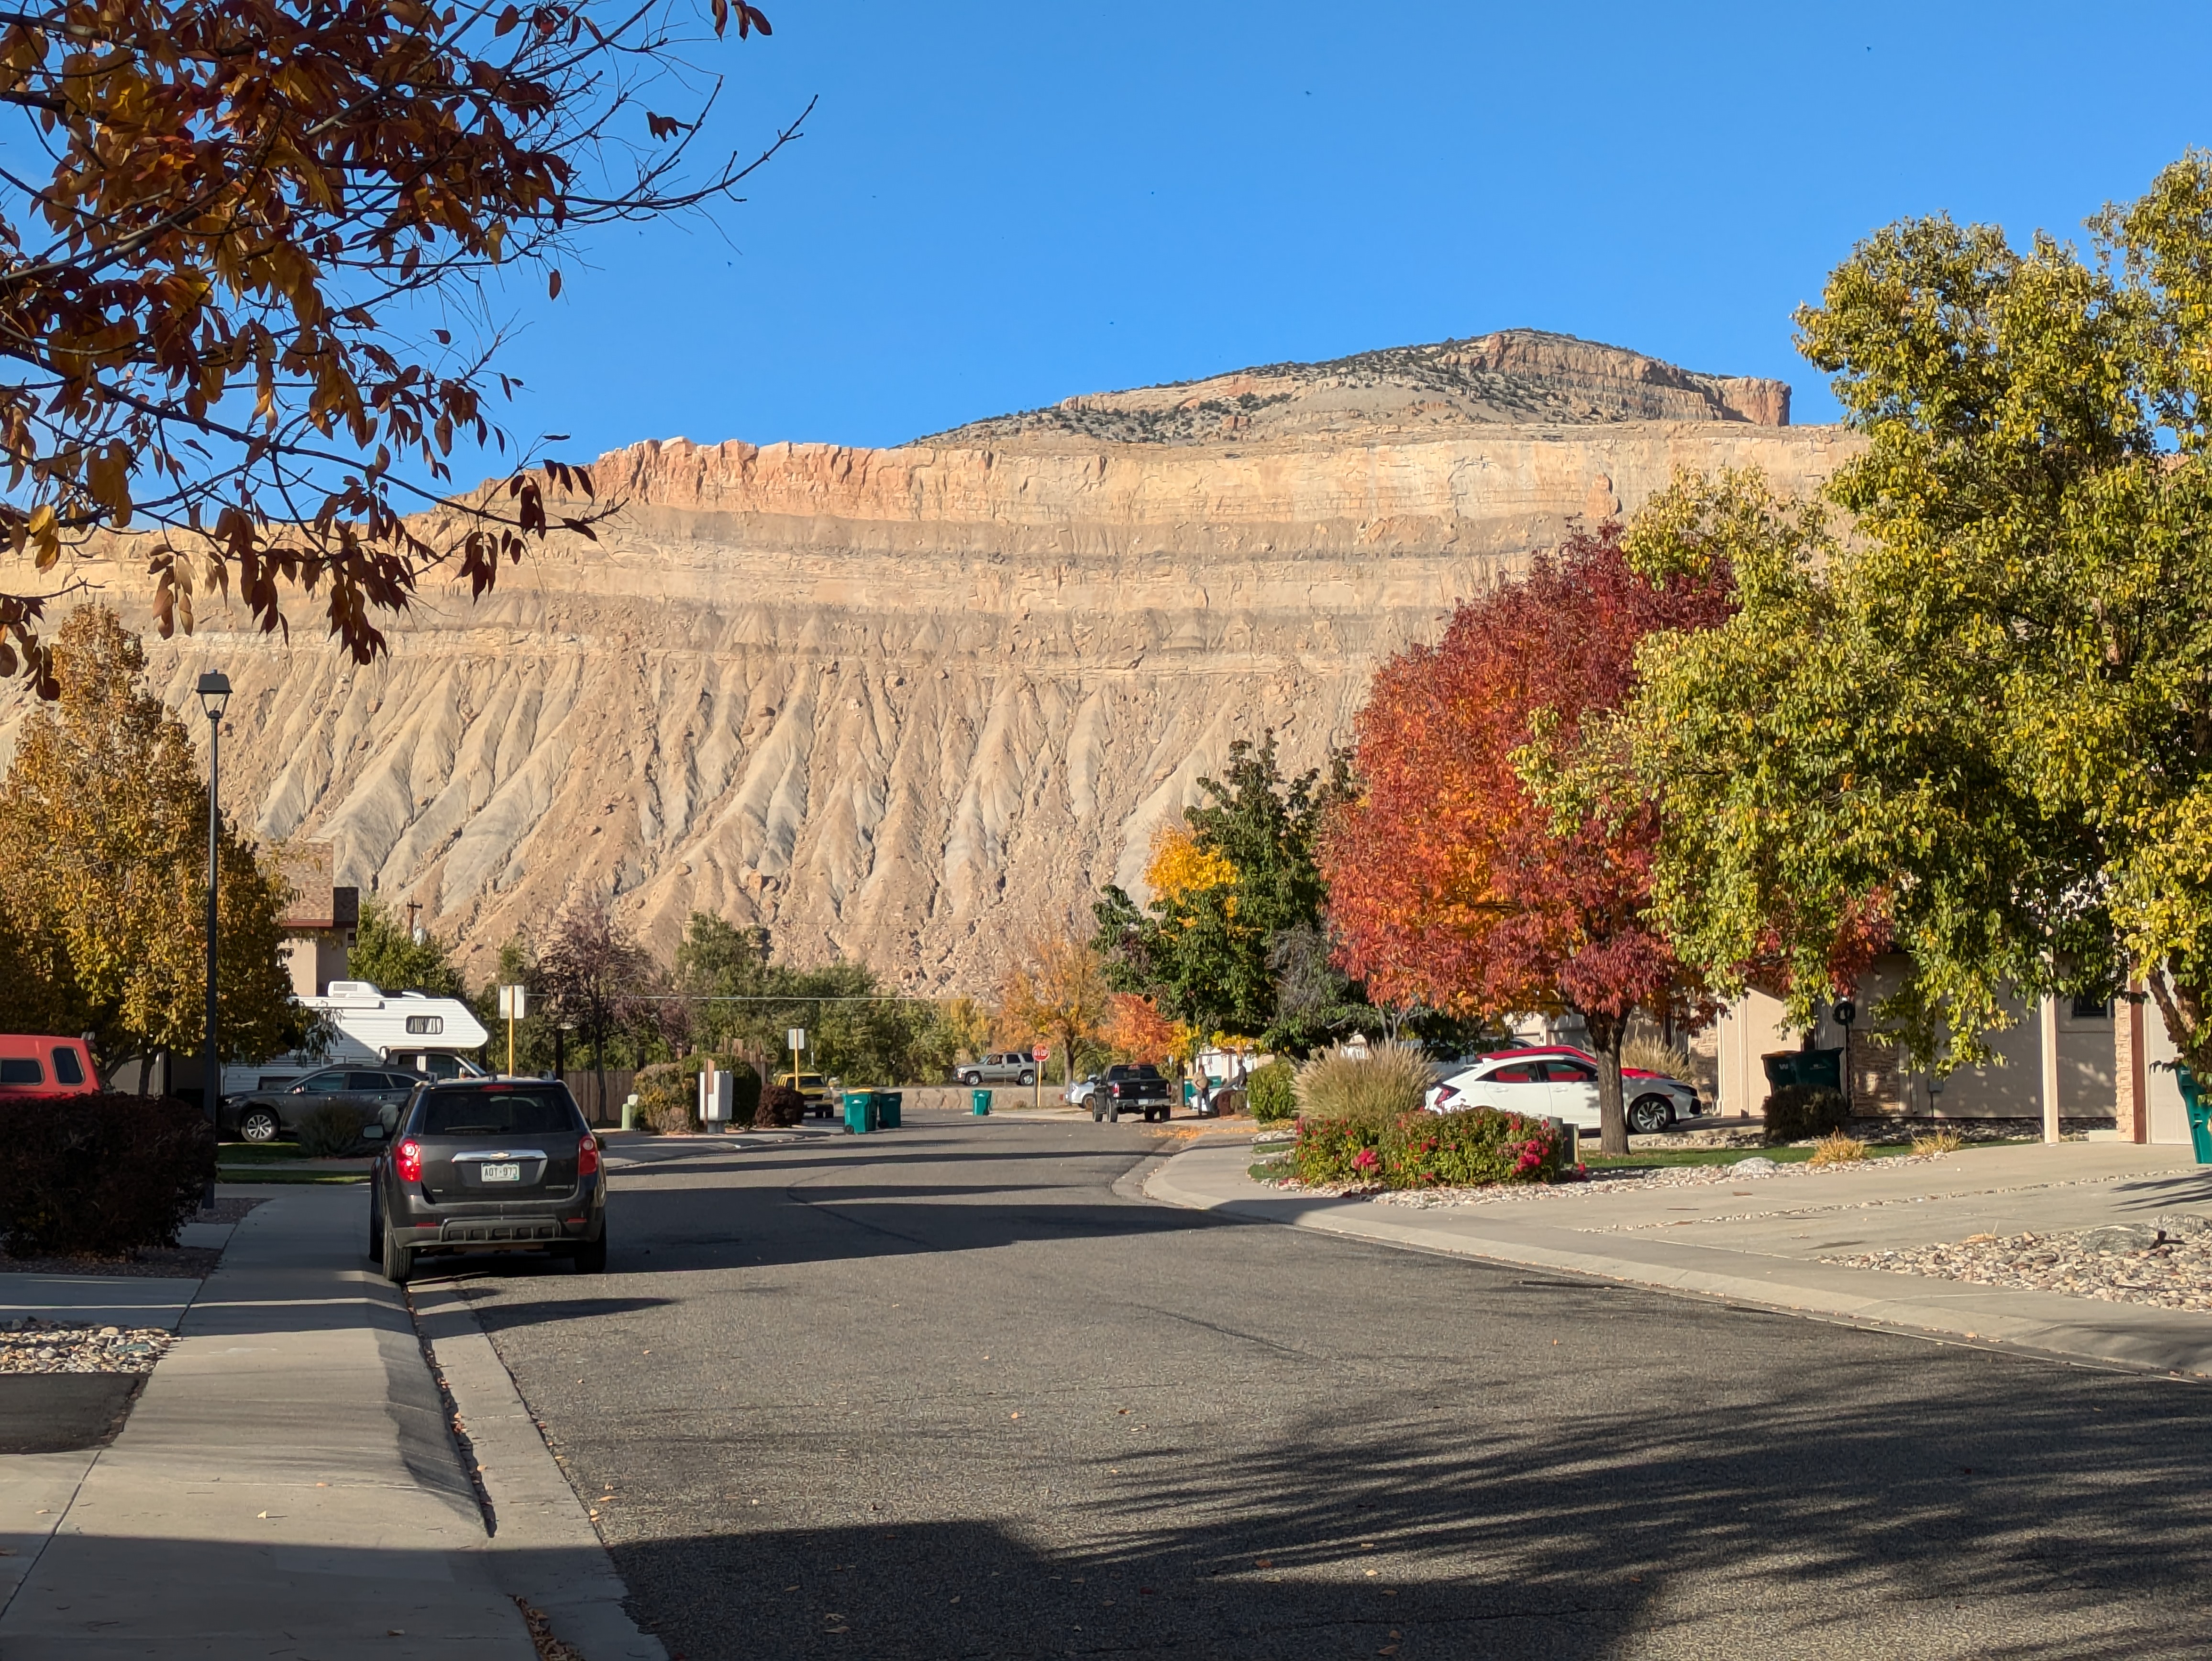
{"points": [[488, 1166]]}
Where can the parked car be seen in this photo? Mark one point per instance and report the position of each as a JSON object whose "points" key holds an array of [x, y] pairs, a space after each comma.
{"points": [[33, 1064], [1009, 1066], [1080, 1093], [487, 1166], [820, 1094], [266, 1116], [1130, 1088], [1557, 1082]]}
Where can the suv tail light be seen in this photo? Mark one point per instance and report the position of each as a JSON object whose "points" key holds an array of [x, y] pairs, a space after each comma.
{"points": [[587, 1157], [407, 1160]]}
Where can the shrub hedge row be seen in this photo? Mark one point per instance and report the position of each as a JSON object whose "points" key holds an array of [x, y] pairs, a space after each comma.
{"points": [[1797, 1111], [100, 1176], [1467, 1149]]}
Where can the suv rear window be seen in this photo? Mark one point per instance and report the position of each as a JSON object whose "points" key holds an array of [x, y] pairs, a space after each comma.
{"points": [[495, 1113], [66, 1067]]}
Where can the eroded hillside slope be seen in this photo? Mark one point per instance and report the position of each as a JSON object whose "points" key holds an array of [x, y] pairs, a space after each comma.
{"points": [[907, 704]]}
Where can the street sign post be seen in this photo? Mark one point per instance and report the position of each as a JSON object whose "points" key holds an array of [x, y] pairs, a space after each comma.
{"points": [[796, 1038], [514, 1005], [1037, 1053]]}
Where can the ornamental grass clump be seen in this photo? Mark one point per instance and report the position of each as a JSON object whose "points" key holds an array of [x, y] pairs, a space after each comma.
{"points": [[1837, 1147], [1946, 1141], [1373, 1087]]}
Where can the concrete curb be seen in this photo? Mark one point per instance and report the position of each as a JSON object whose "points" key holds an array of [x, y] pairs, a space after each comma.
{"points": [[2110, 1334], [543, 1548]]}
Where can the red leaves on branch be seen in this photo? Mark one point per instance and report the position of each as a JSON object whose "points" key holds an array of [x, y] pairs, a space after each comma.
{"points": [[1449, 886]]}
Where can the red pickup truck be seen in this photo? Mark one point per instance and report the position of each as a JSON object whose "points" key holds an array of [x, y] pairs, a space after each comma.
{"points": [[35, 1065]]}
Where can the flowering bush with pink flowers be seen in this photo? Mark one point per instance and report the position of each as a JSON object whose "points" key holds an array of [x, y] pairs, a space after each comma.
{"points": [[1468, 1149]]}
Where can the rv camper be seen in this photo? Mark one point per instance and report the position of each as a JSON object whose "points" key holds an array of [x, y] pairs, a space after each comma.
{"points": [[368, 1027]]}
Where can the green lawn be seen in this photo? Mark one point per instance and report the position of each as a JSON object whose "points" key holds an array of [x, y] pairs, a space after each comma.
{"points": [[248, 1174], [258, 1153]]}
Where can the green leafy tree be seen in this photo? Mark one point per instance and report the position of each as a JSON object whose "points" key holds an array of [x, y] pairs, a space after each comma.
{"points": [[855, 1028], [1977, 726], [386, 952], [1233, 939], [103, 872]]}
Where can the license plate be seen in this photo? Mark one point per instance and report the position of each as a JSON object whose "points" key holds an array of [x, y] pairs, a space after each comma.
{"points": [[501, 1173]]}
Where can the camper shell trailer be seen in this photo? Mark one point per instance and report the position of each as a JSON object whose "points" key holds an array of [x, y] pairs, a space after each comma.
{"points": [[436, 1037]]}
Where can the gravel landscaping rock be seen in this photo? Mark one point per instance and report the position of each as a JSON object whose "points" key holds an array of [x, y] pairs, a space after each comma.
{"points": [[36, 1346], [2167, 1264], [1600, 1183]]}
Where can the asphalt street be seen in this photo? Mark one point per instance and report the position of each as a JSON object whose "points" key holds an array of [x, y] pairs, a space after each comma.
{"points": [[954, 1391]]}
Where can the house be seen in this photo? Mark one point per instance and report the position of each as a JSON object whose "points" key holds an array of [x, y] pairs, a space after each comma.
{"points": [[320, 921]]}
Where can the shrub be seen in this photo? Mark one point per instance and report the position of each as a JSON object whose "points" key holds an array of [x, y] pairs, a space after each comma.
{"points": [[780, 1105], [1796, 1112], [1838, 1149], [1269, 1088], [100, 1175], [668, 1093], [1469, 1149], [1342, 1150], [1372, 1089], [1945, 1141], [329, 1131]]}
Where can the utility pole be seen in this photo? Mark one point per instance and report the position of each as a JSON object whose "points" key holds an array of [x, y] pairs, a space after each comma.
{"points": [[214, 689]]}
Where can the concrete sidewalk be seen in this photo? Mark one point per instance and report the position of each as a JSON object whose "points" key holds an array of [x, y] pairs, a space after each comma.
{"points": [[286, 1485], [1759, 1241]]}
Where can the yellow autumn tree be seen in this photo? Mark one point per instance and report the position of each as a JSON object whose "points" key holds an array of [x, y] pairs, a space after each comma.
{"points": [[966, 1026], [1057, 990], [1180, 867], [103, 861]]}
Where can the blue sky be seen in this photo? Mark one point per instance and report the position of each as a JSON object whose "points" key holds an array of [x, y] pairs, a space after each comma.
{"points": [[998, 205]]}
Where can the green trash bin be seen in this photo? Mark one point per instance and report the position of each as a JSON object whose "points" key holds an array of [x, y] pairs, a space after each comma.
{"points": [[886, 1104], [2200, 1114], [1189, 1092], [1822, 1068], [860, 1111], [980, 1101]]}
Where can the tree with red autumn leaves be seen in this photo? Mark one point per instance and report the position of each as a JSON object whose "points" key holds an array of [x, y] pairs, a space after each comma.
{"points": [[1456, 882]]}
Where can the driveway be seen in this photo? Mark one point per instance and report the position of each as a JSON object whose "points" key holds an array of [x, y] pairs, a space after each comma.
{"points": [[957, 1390]]}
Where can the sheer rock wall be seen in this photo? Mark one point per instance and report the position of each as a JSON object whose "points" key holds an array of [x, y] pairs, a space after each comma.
{"points": [[907, 704]]}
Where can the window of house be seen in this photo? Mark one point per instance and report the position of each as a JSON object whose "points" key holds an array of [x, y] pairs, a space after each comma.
{"points": [[2091, 1009], [427, 1025]]}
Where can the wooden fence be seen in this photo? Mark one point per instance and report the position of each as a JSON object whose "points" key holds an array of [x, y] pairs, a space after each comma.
{"points": [[584, 1085]]}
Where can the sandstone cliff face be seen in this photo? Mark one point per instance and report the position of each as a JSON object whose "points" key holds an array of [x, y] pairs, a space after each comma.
{"points": [[907, 704]]}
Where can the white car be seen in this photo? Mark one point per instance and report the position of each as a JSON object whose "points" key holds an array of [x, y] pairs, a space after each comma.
{"points": [[1562, 1084], [1078, 1094]]}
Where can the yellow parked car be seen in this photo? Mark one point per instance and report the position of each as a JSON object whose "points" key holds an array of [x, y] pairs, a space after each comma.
{"points": [[820, 1094]]}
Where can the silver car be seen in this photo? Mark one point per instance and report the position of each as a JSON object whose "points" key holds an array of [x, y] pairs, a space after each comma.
{"points": [[1006, 1067]]}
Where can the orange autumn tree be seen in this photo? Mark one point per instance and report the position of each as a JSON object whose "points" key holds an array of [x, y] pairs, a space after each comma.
{"points": [[1136, 1030], [1456, 880]]}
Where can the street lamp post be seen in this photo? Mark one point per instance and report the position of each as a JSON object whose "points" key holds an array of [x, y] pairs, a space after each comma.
{"points": [[214, 694]]}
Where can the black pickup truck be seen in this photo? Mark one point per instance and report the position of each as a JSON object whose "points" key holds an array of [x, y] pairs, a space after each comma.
{"points": [[1128, 1087]]}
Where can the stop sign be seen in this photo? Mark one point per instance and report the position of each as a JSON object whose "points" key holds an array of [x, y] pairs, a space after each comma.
{"points": [[1040, 1052]]}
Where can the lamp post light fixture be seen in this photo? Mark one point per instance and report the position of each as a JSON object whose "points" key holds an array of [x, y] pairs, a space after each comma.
{"points": [[215, 696]]}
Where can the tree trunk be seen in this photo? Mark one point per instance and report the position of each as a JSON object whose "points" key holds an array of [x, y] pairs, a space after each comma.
{"points": [[1606, 1032]]}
